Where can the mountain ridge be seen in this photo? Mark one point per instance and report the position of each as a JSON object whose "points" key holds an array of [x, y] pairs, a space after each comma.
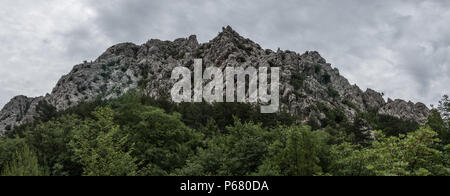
{"points": [[308, 83]]}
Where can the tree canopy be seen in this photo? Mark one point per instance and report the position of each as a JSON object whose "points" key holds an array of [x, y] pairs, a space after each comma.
{"points": [[136, 135]]}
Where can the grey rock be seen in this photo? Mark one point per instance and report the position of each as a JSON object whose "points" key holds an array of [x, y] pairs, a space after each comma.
{"points": [[307, 80], [20, 110], [406, 110]]}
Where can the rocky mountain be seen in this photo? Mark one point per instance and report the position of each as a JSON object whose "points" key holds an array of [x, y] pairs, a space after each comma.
{"points": [[308, 82]]}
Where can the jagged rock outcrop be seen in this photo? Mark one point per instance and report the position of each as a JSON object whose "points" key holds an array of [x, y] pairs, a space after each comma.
{"points": [[406, 110], [18, 111], [307, 80]]}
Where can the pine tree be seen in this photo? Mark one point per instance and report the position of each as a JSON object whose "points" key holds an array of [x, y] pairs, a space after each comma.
{"points": [[101, 149], [24, 163]]}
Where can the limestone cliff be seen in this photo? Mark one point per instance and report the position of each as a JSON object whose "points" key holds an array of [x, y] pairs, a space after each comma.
{"points": [[307, 80]]}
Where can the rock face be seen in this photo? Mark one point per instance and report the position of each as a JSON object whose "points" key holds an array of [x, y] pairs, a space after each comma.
{"points": [[406, 110], [307, 80], [18, 111]]}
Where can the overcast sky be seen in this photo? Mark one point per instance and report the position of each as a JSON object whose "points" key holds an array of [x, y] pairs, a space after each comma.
{"points": [[401, 48]]}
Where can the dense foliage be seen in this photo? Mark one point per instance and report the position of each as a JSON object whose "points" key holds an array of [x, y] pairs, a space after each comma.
{"points": [[135, 135]]}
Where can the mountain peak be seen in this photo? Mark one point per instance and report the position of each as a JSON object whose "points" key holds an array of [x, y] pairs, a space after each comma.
{"points": [[314, 56], [306, 79], [229, 34], [228, 29]]}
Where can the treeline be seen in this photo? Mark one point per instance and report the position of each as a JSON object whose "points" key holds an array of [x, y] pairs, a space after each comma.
{"points": [[135, 135]]}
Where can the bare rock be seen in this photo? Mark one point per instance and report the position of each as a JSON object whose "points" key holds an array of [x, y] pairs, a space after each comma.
{"points": [[307, 80], [406, 110]]}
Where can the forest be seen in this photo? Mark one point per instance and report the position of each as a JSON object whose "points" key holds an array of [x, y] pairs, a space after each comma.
{"points": [[135, 135]]}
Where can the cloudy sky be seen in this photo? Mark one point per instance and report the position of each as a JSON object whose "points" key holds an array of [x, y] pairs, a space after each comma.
{"points": [[399, 47]]}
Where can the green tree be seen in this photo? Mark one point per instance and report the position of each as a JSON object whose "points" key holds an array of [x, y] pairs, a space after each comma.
{"points": [[297, 152], [239, 152], [100, 149], [9, 147], [358, 131], [208, 161], [246, 146], [444, 107], [348, 160], [45, 111], [162, 141], [439, 120], [437, 123], [414, 154], [24, 163], [51, 142]]}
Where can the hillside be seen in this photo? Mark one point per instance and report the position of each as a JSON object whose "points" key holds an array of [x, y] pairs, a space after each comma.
{"points": [[310, 87]]}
